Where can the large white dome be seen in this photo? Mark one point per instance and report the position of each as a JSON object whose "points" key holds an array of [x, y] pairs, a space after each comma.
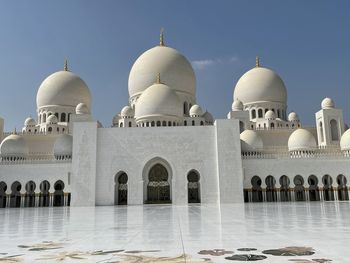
{"points": [[63, 88], [175, 69], [260, 85], [345, 141], [14, 146], [251, 141], [158, 100], [300, 140]]}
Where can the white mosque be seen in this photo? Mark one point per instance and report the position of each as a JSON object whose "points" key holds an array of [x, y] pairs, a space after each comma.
{"points": [[164, 148]]}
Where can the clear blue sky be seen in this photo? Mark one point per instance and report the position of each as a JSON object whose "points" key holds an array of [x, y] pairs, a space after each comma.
{"points": [[306, 42]]}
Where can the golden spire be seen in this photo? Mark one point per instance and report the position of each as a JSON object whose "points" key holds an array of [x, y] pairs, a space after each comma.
{"points": [[158, 79], [161, 38], [257, 61], [65, 65]]}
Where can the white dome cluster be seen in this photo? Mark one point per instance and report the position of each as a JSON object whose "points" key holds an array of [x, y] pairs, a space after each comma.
{"points": [[52, 119], [237, 105], [345, 141], [196, 111], [63, 88], [270, 115], [14, 147], [251, 141], [301, 140], [127, 112], [327, 103], [260, 85], [158, 101], [29, 122], [293, 117], [175, 69], [82, 108]]}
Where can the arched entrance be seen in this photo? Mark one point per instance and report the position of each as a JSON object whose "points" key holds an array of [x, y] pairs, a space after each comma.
{"points": [[29, 198], [284, 190], [58, 195], [314, 194], [342, 188], [327, 188], [158, 187], [44, 196], [271, 194], [121, 189], [3, 188], [257, 195], [193, 187], [299, 190], [15, 199]]}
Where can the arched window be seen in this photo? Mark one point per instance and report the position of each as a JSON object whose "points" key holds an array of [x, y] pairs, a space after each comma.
{"points": [[58, 195], [272, 125], [278, 114], [266, 110], [44, 196], [342, 188], [44, 117], [321, 131], [260, 113], [152, 123], [185, 108], [193, 187], [3, 188], [299, 189], [284, 191], [313, 188], [129, 123], [328, 193], [185, 123], [202, 123], [121, 189], [334, 130], [69, 116], [15, 198], [56, 114], [158, 187], [241, 126], [256, 189], [158, 123], [253, 114], [271, 194], [169, 123], [63, 117], [121, 125], [164, 123], [49, 129], [29, 198]]}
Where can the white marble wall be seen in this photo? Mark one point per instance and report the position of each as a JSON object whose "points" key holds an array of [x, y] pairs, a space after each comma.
{"points": [[135, 150]]}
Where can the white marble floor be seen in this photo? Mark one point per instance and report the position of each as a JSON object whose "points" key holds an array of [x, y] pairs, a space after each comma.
{"points": [[165, 233]]}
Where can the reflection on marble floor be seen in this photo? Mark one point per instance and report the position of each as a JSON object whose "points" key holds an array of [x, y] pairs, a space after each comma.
{"points": [[277, 232]]}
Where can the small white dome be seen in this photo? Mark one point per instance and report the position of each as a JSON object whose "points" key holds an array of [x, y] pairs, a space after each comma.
{"points": [[127, 111], [29, 122], [270, 115], [208, 117], [158, 100], [293, 117], [196, 111], [260, 85], [300, 140], [327, 103], [237, 105], [63, 88], [14, 146], [82, 108], [175, 69], [63, 145], [52, 119], [345, 141], [251, 141]]}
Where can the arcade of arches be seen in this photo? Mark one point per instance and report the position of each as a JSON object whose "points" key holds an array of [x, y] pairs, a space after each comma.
{"points": [[311, 190], [158, 186], [30, 198]]}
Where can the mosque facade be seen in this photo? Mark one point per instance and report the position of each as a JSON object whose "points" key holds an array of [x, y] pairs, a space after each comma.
{"points": [[164, 148]]}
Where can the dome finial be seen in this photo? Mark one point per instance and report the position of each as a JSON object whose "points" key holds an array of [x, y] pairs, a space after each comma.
{"points": [[257, 61], [158, 79], [161, 38], [65, 65]]}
